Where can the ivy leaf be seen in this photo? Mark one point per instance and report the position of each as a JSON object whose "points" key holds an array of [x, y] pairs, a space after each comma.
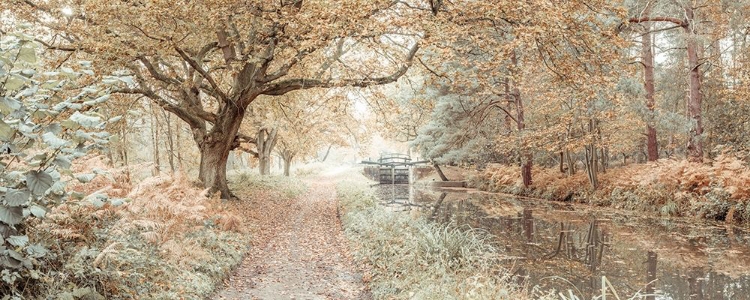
{"points": [[11, 215], [38, 182], [17, 197]]}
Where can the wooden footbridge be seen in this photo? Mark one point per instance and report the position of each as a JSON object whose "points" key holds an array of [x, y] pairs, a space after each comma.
{"points": [[392, 168]]}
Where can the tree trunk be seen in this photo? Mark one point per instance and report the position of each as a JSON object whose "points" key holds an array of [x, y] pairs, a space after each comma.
{"points": [[440, 172], [124, 149], [178, 137], [695, 139], [170, 142], [647, 57], [570, 162], [526, 156], [287, 156], [592, 161], [327, 152], [266, 142], [213, 169], [155, 141], [214, 149]]}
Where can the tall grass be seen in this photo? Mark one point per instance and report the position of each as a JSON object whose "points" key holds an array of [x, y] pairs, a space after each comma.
{"points": [[412, 258]]}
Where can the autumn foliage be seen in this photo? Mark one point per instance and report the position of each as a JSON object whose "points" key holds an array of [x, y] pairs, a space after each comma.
{"points": [[717, 190]]}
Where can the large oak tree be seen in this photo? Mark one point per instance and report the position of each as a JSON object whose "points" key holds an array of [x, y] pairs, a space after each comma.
{"points": [[207, 61]]}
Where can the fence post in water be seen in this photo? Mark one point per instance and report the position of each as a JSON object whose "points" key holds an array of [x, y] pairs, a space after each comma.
{"points": [[651, 275]]}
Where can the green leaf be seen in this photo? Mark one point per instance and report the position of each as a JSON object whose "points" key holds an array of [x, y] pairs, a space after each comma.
{"points": [[17, 197], [6, 132], [38, 211], [53, 141], [85, 178], [14, 83], [38, 182], [27, 54], [36, 251], [99, 100], [70, 124], [86, 121], [9, 105], [62, 161], [117, 201], [98, 200], [18, 240], [11, 215]]}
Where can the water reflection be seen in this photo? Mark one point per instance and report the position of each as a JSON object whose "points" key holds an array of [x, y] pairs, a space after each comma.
{"points": [[564, 247]]}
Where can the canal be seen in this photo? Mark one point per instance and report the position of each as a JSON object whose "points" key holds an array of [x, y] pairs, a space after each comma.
{"points": [[551, 245]]}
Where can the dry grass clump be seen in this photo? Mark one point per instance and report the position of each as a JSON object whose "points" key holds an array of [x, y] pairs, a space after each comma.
{"points": [[166, 241], [715, 190]]}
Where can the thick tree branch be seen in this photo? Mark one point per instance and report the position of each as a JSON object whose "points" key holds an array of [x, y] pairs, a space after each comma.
{"points": [[203, 73], [289, 85], [283, 70], [155, 73], [676, 21]]}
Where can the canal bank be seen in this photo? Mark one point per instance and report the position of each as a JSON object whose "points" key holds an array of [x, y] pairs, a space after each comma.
{"points": [[563, 246]]}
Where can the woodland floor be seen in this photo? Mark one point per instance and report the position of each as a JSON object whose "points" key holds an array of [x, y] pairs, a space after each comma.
{"points": [[299, 251]]}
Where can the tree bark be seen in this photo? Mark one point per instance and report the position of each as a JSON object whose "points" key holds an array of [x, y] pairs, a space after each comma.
{"points": [[124, 149], [170, 142], [327, 152], [695, 98], [214, 149], [647, 57], [695, 139], [266, 142], [155, 141], [526, 156], [287, 156], [592, 161], [440, 172]]}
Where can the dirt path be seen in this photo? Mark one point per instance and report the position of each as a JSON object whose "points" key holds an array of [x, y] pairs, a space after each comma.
{"points": [[299, 251]]}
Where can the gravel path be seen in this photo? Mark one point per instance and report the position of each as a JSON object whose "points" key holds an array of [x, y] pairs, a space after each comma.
{"points": [[299, 251]]}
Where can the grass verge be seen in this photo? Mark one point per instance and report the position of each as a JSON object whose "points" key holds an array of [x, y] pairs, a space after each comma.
{"points": [[412, 258]]}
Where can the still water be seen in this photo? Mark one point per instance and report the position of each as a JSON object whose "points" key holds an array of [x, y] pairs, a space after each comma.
{"points": [[551, 245]]}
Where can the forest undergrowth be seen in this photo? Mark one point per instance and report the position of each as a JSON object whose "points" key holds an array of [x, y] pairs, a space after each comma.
{"points": [[166, 240], [716, 190], [409, 257]]}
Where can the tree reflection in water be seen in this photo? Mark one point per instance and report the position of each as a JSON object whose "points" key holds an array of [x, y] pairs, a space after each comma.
{"points": [[559, 246]]}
